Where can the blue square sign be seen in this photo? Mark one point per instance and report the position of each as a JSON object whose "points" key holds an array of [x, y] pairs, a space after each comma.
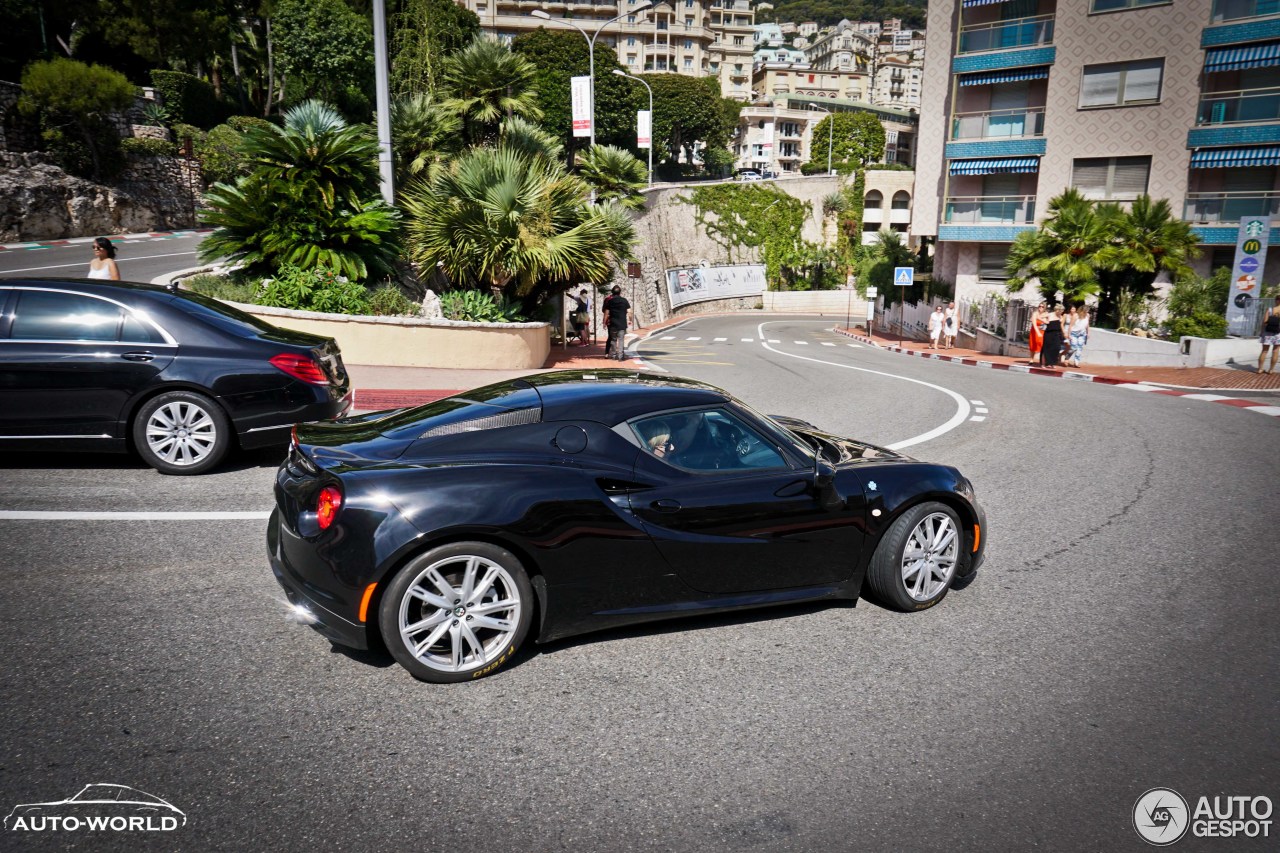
{"points": [[904, 276]]}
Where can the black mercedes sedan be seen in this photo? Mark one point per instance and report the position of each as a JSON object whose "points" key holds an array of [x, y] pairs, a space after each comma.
{"points": [[178, 377], [567, 502]]}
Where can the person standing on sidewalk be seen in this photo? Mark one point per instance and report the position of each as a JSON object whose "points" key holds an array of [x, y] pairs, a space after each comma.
{"points": [[935, 326], [1052, 349], [616, 312], [1035, 333], [1079, 331], [950, 323], [1270, 337]]}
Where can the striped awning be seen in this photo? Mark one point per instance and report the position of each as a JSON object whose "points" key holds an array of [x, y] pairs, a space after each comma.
{"points": [[1001, 166], [1226, 158], [1008, 75], [968, 3], [1242, 56]]}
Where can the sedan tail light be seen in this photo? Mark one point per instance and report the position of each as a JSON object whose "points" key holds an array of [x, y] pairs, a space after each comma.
{"points": [[327, 506], [300, 367]]}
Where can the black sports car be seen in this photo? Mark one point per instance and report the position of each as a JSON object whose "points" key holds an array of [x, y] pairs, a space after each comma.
{"points": [[179, 377], [573, 501]]}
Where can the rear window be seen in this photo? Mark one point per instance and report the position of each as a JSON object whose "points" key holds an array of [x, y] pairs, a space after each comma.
{"points": [[491, 407], [222, 315]]}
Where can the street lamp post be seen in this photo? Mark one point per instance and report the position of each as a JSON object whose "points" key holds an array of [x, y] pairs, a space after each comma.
{"points": [[591, 50], [622, 73], [831, 129]]}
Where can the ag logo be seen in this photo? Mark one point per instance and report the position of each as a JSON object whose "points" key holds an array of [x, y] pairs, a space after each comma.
{"points": [[1160, 816]]}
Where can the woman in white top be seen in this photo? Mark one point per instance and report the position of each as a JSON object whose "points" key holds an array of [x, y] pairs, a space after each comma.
{"points": [[1079, 334], [935, 326], [103, 264]]}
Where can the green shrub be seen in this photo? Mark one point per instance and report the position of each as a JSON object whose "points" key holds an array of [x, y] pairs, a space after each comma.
{"points": [[73, 101], [245, 123], [228, 289], [187, 98], [314, 290], [1200, 324], [388, 301], [478, 307], [219, 156], [182, 130], [146, 147]]}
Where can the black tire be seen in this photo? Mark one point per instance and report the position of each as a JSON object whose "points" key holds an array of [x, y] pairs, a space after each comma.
{"points": [[918, 584], [448, 644], [181, 432]]}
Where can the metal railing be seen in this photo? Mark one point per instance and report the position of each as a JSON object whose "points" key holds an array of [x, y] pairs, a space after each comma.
{"points": [[1252, 327], [1003, 35], [990, 209], [998, 124], [1244, 105], [1235, 10], [1229, 207]]}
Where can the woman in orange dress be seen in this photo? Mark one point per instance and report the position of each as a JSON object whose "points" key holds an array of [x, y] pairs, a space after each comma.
{"points": [[1035, 333]]}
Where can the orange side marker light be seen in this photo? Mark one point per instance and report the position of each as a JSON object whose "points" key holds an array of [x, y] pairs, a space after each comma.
{"points": [[364, 602], [977, 537]]}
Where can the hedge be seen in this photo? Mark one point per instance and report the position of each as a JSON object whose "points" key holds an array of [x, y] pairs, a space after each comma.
{"points": [[189, 99], [149, 147]]}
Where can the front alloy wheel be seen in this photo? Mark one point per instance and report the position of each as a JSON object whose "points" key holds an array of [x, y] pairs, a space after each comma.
{"points": [[918, 558], [457, 612]]}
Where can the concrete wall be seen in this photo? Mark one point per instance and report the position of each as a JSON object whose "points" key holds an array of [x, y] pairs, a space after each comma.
{"points": [[833, 302], [409, 342]]}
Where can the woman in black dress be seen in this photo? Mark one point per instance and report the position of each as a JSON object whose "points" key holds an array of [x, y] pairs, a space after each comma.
{"points": [[1053, 338]]}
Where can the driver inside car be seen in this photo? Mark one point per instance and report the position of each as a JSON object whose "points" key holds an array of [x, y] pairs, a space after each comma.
{"points": [[687, 440]]}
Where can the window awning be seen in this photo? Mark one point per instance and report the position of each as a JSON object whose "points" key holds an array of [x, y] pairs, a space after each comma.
{"points": [[1001, 166], [1226, 158], [1008, 75], [969, 3], [1242, 56]]}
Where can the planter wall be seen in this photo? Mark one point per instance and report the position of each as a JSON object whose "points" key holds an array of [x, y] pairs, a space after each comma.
{"points": [[410, 342]]}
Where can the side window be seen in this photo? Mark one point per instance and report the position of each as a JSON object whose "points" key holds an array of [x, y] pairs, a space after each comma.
{"points": [[48, 316], [705, 441]]}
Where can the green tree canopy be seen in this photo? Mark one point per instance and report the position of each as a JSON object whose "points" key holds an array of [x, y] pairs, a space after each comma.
{"points": [[616, 175], [71, 95], [484, 83], [856, 140], [423, 33], [687, 110], [327, 51]]}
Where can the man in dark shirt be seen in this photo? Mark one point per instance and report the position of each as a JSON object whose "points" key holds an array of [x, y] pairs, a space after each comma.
{"points": [[616, 310]]}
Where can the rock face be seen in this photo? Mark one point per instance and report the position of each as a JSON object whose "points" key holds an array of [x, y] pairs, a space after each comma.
{"points": [[39, 201], [431, 309]]}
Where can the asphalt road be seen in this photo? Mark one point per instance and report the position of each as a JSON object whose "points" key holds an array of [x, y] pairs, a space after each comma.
{"points": [[1121, 636], [140, 258]]}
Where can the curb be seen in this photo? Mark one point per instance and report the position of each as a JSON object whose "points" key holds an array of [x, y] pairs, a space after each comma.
{"points": [[1249, 405], [122, 238]]}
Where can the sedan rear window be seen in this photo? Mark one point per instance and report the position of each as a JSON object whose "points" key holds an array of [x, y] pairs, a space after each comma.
{"points": [[223, 316]]}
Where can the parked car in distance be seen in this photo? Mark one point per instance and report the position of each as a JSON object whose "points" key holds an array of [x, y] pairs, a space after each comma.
{"points": [[574, 501], [746, 175], [175, 376]]}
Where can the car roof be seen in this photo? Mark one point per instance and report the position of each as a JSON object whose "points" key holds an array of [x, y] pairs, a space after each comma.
{"points": [[612, 396], [100, 286]]}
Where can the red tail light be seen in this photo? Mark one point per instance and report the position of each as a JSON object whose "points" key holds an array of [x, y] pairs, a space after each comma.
{"points": [[327, 506], [300, 367]]}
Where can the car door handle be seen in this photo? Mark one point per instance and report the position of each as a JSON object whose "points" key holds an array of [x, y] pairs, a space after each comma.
{"points": [[799, 487], [665, 505], [138, 356]]}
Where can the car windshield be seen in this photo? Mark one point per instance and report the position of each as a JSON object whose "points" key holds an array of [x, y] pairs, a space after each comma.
{"points": [[781, 434]]}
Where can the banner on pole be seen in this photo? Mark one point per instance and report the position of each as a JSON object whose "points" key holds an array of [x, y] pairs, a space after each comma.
{"points": [[580, 94], [1246, 273], [644, 129]]}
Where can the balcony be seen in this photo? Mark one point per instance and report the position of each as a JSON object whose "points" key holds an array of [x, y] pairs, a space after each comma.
{"points": [[1208, 208], [1238, 10], [990, 210], [1246, 106], [998, 124], [1033, 31]]}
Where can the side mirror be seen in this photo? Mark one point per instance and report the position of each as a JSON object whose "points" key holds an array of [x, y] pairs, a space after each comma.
{"points": [[824, 483]]}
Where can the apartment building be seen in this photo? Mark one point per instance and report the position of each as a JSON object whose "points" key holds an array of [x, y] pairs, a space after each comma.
{"points": [[695, 37], [841, 48], [896, 82], [1024, 98], [774, 132], [776, 79]]}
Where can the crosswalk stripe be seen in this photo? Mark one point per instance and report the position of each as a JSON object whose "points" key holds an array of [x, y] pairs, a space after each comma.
{"points": [[803, 343], [774, 341], [693, 339], [856, 346], [827, 344], [747, 340], [667, 338], [719, 339]]}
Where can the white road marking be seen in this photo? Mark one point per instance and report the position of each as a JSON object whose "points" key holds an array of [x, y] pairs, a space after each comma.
{"points": [[667, 338], [123, 261], [802, 343], [774, 341], [1209, 397], [977, 418], [827, 344], [50, 515], [693, 339], [717, 340], [1265, 410], [856, 346], [1140, 387], [980, 410], [977, 402], [748, 340], [962, 405]]}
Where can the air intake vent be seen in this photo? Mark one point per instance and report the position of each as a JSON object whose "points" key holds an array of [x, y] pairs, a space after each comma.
{"points": [[510, 417]]}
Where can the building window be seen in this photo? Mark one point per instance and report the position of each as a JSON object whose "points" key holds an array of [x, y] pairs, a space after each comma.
{"points": [[688, 64], [1115, 178], [1112, 5], [631, 19], [688, 4], [631, 59], [1122, 83], [688, 44], [737, 39], [873, 200], [991, 261], [901, 200], [688, 23], [631, 41]]}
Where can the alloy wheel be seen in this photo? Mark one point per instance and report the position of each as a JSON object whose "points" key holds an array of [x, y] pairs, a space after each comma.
{"points": [[181, 433], [460, 613], [929, 558]]}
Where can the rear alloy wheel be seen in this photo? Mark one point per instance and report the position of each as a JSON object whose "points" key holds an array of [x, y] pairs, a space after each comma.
{"points": [[181, 432], [457, 612], [918, 558]]}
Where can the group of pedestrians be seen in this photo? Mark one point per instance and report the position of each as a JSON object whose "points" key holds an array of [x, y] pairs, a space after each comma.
{"points": [[1055, 335], [943, 323], [616, 312]]}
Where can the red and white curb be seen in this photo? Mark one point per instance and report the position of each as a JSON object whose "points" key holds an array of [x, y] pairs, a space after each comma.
{"points": [[115, 238], [1249, 405]]}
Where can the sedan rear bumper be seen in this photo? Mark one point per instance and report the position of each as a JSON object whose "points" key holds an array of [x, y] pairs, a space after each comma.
{"points": [[330, 625]]}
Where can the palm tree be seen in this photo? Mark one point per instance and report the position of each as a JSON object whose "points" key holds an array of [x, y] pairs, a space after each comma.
{"points": [[1149, 240], [310, 200], [507, 221], [423, 135], [616, 175], [888, 252], [530, 139], [485, 82], [1063, 252]]}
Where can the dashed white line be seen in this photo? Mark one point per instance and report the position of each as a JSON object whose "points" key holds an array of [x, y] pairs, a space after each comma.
{"points": [[748, 340], [977, 418], [856, 346], [977, 402], [667, 338], [717, 340], [693, 339], [980, 410], [774, 341], [802, 343], [827, 344]]}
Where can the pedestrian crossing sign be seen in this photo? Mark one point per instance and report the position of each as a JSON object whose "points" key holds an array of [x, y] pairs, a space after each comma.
{"points": [[904, 276]]}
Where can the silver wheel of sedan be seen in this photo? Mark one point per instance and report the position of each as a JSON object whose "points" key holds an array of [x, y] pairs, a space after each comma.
{"points": [[181, 432], [929, 558], [459, 612]]}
